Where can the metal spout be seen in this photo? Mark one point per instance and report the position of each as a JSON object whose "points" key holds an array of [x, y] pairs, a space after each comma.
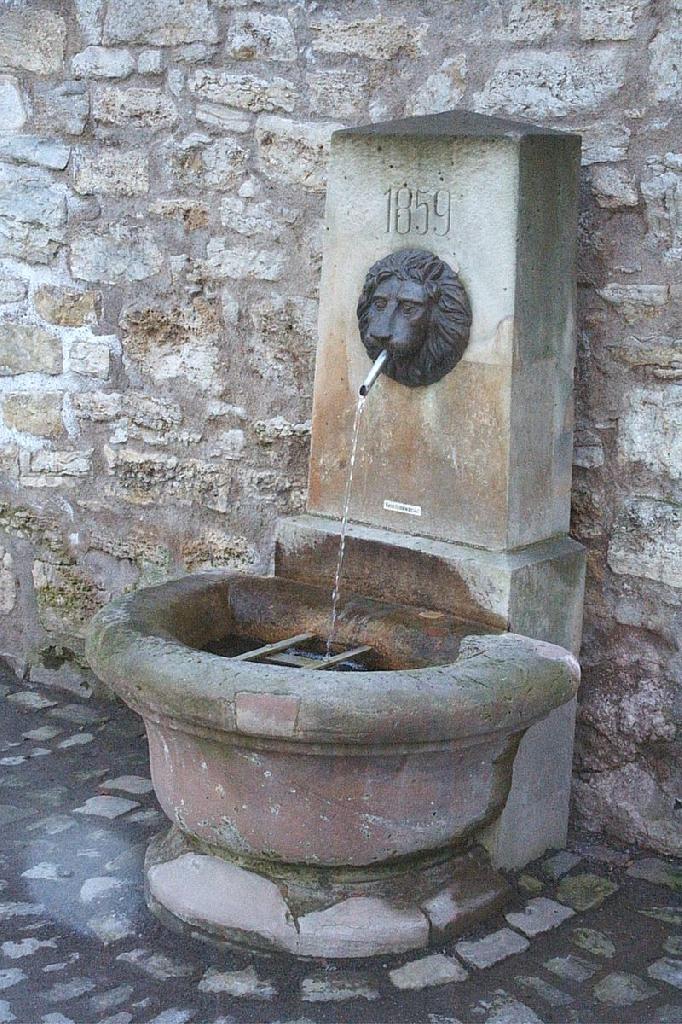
{"points": [[371, 377]]}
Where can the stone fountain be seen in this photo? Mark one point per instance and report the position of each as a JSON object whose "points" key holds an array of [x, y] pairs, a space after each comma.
{"points": [[361, 800]]}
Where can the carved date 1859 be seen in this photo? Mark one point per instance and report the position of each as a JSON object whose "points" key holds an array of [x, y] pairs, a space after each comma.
{"points": [[415, 210]]}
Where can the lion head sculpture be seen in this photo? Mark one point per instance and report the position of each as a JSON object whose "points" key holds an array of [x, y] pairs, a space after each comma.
{"points": [[414, 305]]}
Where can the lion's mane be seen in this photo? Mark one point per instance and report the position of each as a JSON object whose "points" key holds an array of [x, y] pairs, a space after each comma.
{"points": [[447, 331]]}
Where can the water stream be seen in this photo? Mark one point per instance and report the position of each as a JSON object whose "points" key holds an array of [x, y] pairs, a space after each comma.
{"points": [[362, 398]]}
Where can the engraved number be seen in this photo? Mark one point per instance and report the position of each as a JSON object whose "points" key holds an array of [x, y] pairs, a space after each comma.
{"points": [[414, 210]]}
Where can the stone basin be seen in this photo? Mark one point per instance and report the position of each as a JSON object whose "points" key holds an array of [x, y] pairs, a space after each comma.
{"points": [[355, 794]]}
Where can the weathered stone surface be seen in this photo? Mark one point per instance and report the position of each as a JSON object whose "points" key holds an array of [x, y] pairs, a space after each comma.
{"points": [[61, 108], [610, 19], [493, 948], [585, 891], [25, 348], [259, 36], [635, 301], [665, 51], [650, 430], [31, 149], [133, 106], [216, 165], [442, 90], [12, 107], [35, 414], [245, 92], [430, 970], [378, 38], [622, 990], [336, 988], [647, 541], [111, 171], [594, 942], [338, 93], [236, 983], [67, 307], [224, 261], [160, 22], [551, 84], [8, 583], [122, 254], [106, 807], [32, 40], [361, 926], [181, 343], [102, 62], [91, 358], [572, 968], [658, 872], [207, 889], [604, 141], [661, 187], [294, 152], [539, 916], [614, 188], [667, 970], [32, 220], [12, 289]]}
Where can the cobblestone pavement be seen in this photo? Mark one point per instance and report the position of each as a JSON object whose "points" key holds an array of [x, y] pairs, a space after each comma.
{"points": [[594, 936]]}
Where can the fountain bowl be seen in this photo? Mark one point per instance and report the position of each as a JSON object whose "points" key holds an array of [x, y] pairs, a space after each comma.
{"points": [[322, 813]]}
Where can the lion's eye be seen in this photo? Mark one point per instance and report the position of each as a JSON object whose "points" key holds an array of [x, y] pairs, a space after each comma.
{"points": [[408, 307], [380, 303]]}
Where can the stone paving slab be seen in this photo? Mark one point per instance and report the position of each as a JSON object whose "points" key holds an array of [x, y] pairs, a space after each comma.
{"points": [[593, 935]]}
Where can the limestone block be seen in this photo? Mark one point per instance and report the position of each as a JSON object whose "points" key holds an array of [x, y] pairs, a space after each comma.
{"points": [[61, 108], [222, 895], [25, 348], [665, 62], [261, 36], [647, 541], [133, 106], [246, 92], [662, 191], [442, 90], [33, 41], [12, 108], [337, 93], [604, 142], [8, 583], [436, 969], [12, 289], [31, 149], [119, 254], [89, 15], [223, 261], [159, 22], [660, 357], [215, 165], [361, 926], [529, 21], [614, 188], [181, 343], [60, 463], [255, 218], [218, 116], [294, 152], [66, 306], [635, 301], [39, 414], [150, 62], [610, 19], [91, 358], [538, 84], [379, 38], [102, 62], [111, 171], [650, 430]]}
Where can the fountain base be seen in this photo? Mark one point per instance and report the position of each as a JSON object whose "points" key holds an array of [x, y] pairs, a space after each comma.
{"points": [[314, 912]]}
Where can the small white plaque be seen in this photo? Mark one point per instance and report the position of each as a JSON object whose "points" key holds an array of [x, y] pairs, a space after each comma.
{"points": [[399, 506]]}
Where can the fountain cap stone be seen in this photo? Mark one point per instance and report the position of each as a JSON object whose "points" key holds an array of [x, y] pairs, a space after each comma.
{"points": [[457, 123]]}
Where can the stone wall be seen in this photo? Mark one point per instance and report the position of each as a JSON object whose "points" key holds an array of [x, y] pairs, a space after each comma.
{"points": [[162, 173]]}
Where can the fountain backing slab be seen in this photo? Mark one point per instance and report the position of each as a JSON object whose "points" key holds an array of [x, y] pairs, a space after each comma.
{"points": [[318, 913]]}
